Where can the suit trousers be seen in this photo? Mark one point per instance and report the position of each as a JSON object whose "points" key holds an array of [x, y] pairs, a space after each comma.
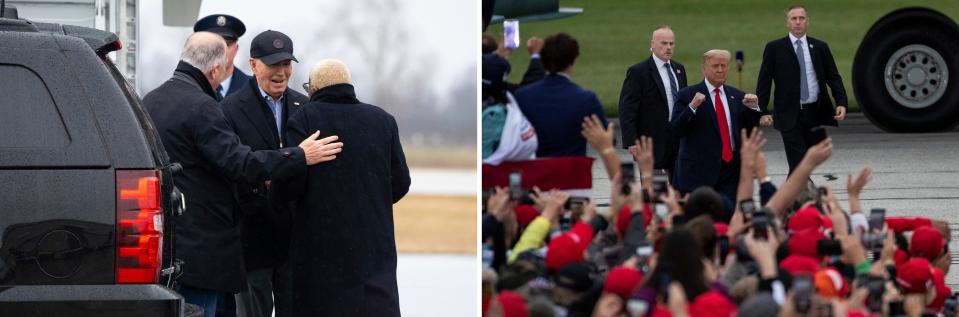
{"points": [[264, 288], [728, 183], [797, 140]]}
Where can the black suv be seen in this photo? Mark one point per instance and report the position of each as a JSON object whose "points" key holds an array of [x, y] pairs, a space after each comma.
{"points": [[86, 191]]}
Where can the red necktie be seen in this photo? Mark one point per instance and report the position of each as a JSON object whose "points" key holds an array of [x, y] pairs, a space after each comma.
{"points": [[723, 129]]}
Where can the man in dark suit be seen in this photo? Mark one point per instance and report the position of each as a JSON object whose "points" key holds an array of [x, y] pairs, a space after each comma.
{"points": [[556, 106], [258, 113], [647, 98], [708, 118], [343, 251], [196, 134], [231, 29], [801, 68]]}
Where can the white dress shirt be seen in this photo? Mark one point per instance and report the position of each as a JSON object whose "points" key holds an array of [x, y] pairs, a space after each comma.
{"points": [[729, 120], [811, 81], [225, 86], [664, 76]]}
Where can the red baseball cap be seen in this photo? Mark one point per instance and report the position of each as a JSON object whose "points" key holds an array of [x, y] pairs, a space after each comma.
{"points": [[805, 243], [926, 242], [569, 247], [712, 303], [804, 219], [622, 281], [915, 276], [513, 304], [800, 264]]}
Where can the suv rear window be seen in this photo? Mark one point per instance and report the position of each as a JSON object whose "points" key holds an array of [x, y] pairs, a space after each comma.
{"points": [[30, 119]]}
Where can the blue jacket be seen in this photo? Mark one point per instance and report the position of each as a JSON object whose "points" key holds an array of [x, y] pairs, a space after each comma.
{"points": [[700, 146], [556, 106]]}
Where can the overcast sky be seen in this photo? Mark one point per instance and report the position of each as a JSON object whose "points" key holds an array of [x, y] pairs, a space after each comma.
{"points": [[442, 31]]}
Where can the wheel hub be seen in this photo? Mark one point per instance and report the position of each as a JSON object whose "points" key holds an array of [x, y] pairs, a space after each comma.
{"points": [[916, 76]]}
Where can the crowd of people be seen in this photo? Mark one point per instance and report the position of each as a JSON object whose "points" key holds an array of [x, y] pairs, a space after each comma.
{"points": [[704, 240], [795, 252]]}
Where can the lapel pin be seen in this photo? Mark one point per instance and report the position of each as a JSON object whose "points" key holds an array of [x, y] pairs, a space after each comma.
{"points": [[296, 103], [810, 46], [678, 71]]}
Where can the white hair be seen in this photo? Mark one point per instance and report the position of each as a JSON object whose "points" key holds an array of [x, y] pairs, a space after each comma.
{"points": [[203, 50], [329, 72]]}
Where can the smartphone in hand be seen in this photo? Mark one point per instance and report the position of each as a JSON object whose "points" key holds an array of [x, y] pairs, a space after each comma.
{"points": [[511, 30]]}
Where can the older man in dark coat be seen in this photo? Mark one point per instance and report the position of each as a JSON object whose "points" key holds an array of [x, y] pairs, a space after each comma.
{"points": [[258, 113], [196, 134], [343, 251]]}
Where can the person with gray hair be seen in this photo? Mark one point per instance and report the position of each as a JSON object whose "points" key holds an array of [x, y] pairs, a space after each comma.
{"points": [[196, 135], [342, 249]]}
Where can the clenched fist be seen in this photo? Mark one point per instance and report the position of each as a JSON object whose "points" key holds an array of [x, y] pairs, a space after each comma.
{"points": [[697, 99], [751, 101]]}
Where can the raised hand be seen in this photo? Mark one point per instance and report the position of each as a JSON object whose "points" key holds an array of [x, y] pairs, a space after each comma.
{"points": [[752, 144], [601, 139], [644, 155], [554, 204], [854, 186], [534, 45], [499, 203], [819, 153]]}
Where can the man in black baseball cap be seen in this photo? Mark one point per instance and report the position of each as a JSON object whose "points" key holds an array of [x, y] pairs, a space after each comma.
{"points": [[258, 112], [230, 28]]}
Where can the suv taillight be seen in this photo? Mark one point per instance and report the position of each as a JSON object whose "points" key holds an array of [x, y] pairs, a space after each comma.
{"points": [[139, 226]]}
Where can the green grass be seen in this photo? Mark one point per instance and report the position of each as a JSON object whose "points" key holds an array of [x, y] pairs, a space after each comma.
{"points": [[614, 34]]}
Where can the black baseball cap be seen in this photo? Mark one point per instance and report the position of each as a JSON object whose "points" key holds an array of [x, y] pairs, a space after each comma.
{"points": [[272, 47], [227, 26]]}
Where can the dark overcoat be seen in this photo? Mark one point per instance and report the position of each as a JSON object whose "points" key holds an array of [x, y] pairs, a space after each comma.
{"points": [[195, 133], [343, 251]]}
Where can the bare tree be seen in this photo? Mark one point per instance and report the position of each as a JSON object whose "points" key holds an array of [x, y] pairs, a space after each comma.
{"points": [[374, 30]]}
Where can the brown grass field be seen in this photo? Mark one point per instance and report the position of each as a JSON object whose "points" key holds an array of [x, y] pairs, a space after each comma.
{"points": [[436, 224], [441, 156]]}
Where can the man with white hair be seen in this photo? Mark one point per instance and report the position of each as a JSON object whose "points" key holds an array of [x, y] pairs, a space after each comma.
{"points": [[707, 119], [196, 135], [258, 112], [342, 250]]}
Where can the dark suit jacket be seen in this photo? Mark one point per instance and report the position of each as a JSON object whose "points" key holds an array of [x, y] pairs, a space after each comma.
{"points": [[237, 81], [781, 66], [196, 134], [343, 252], [700, 145], [534, 72], [266, 222], [643, 108], [555, 106]]}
